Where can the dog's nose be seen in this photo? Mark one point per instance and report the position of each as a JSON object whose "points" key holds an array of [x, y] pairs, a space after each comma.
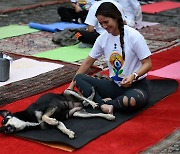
{"points": [[9, 129], [4, 121]]}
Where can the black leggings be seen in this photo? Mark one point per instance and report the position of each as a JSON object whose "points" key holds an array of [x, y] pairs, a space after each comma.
{"points": [[123, 99], [87, 37], [67, 14]]}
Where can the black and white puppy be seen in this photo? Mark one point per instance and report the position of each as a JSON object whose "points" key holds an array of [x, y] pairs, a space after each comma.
{"points": [[51, 109]]}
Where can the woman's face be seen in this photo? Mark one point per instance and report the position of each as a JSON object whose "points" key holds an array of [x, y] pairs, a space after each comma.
{"points": [[108, 24]]}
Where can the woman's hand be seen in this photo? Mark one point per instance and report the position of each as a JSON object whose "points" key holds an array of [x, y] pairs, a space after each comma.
{"points": [[127, 81], [146, 66], [71, 85]]}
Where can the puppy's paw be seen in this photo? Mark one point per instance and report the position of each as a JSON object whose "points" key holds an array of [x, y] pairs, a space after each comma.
{"points": [[54, 121], [71, 134], [110, 117], [93, 104]]}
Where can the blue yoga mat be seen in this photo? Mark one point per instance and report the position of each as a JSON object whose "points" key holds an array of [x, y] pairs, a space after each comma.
{"points": [[55, 26]]}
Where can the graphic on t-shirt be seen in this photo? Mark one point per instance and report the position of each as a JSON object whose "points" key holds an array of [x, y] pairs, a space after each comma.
{"points": [[117, 64], [82, 3]]}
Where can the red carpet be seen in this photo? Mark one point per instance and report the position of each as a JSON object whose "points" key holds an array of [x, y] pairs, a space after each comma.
{"points": [[131, 137], [165, 58], [159, 6]]}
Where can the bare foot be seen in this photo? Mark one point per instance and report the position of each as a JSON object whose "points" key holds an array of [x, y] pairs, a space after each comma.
{"points": [[107, 108]]}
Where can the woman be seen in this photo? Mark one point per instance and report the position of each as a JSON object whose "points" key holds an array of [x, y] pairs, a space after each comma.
{"points": [[128, 59]]}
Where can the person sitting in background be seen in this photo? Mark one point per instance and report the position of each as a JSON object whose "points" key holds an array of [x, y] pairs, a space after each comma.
{"points": [[132, 12], [88, 37], [76, 14]]}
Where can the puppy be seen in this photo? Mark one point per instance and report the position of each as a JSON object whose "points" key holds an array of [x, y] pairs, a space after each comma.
{"points": [[51, 109]]}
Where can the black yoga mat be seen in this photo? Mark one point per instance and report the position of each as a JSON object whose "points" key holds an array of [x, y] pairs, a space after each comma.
{"points": [[89, 129]]}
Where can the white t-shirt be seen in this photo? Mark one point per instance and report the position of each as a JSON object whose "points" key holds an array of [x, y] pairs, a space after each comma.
{"points": [[132, 11], [91, 18], [87, 3], [135, 49]]}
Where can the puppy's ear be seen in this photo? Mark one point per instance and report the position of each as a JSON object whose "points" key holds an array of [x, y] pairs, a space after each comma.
{"points": [[4, 113]]}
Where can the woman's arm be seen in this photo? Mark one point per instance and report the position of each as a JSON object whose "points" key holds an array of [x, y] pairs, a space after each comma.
{"points": [[88, 62], [146, 67]]}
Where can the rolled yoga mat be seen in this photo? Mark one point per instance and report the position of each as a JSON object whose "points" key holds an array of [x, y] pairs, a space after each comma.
{"points": [[54, 27], [89, 129]]}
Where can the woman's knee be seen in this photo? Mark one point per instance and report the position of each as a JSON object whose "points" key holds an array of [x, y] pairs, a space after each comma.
{"points": [[133, 100], [80, 81], [78, 77], [129, 102], [84, 86]]}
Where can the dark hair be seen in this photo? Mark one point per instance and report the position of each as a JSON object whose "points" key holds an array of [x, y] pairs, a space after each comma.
{"points": [[108, 9]]}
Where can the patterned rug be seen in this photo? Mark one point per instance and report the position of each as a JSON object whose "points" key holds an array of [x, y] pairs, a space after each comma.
{"points": [[101, 63], [28, 44], [28, 87], [161, 33], [171, 144], [155, 45]]}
